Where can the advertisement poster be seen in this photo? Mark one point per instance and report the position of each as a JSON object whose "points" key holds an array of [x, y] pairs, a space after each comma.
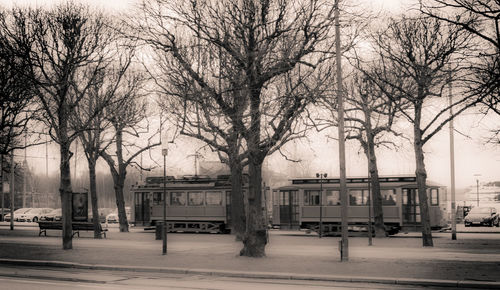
{"points": [[80, 206]]}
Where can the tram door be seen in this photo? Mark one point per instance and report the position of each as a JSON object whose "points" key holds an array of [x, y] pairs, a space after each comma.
{"points": [[411, 208], [289, 209], [142, 208]]}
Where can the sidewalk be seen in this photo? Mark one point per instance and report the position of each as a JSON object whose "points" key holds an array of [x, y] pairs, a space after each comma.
{"points": [[470, 261]]}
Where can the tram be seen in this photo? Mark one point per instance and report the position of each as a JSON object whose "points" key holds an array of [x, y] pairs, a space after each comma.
{"points": [[194, 203], [306, 201]]}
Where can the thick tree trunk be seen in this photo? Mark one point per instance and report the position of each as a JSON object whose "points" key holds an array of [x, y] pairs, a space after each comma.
{"points": [[421, 177], [422, 196], [378, 213], [93, 198], [65, 192], [120, 181], [255, 239], [120, 201], [238, 217]]}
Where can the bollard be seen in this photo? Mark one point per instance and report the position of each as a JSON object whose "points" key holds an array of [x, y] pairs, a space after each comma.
{"points": [[158, 230]]}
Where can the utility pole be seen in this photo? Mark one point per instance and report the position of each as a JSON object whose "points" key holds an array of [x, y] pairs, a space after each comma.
{"points": [[47, 166], [12, 182], [164, 228], [370, 242], [1, 185], [452, 166], [25, 169], [344, 243], [477, 187], [196, 155]]}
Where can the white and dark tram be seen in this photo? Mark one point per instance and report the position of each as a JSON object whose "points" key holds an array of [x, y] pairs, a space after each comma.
{"points": [[305, 201]]}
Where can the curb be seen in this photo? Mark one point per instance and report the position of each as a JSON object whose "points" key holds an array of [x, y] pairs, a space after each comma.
{"points": [[244, 274]]}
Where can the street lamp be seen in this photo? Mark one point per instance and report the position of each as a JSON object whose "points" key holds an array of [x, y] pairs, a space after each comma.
{"points": [[164, 152], [477, 187], [321, 176]]}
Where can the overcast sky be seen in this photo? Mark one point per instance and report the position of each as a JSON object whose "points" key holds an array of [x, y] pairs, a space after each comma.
{"points": [[472, 156]]}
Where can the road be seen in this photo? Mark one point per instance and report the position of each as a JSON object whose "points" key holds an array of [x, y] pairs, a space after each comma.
{"points": [[14, 278]]}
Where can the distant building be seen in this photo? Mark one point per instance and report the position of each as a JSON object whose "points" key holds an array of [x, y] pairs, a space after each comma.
{"points": [[487, 193]]}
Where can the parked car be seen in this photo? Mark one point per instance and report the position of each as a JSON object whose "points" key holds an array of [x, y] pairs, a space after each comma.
{"points": [[54, 215], [482, 216], [113, 217], [17, 213], [34, 214], [5, 212], [103, 213]]}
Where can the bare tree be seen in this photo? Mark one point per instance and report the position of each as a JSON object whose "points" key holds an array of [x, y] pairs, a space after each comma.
{"points": [[16, 89], [202, 118], [70, 49], [482, 20], [370, 115], [421, 51], [268, 43], [94, 139], [128, 117]]}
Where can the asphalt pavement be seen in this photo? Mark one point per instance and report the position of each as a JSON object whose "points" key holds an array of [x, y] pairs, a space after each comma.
{"points": [[471, 261]]}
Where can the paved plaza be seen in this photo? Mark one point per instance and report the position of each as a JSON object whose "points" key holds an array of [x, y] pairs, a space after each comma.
{"points": [[473, 260]]}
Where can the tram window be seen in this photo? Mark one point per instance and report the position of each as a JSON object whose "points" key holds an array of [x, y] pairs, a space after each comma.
{"points": [[332, 197], [178, 198], [311, 197], [195, 198], [358, 197], [388, 196], [214, 198], [157, 198], [434, 196]]}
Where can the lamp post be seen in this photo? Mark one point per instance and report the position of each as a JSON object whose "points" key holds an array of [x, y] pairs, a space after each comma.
{"points": [[369, 209], [321, 176], [164, 152], [477, 187]]}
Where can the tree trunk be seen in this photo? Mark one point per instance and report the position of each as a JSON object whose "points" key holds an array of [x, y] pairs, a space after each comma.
{"points": [[93, 198], [421, 175], [238, 216], [65, 192], [120, 181], [120, 203], [422, 196], [255, 239], [378, 213]]}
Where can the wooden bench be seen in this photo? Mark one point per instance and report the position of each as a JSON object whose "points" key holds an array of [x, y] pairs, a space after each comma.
{"points": [[77, 227]]}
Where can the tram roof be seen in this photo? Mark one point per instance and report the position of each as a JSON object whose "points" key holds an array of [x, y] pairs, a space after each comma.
{"points": [[336, 180], [409, 180], [187, 181]]}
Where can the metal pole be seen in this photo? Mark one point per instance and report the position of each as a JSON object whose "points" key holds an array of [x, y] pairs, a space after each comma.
{"points": [[477, 191], [1, 185], [369, 202], [452, 168], [344, 246], [320, 204], [25, 169], [11, 183], [164, 228]]}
